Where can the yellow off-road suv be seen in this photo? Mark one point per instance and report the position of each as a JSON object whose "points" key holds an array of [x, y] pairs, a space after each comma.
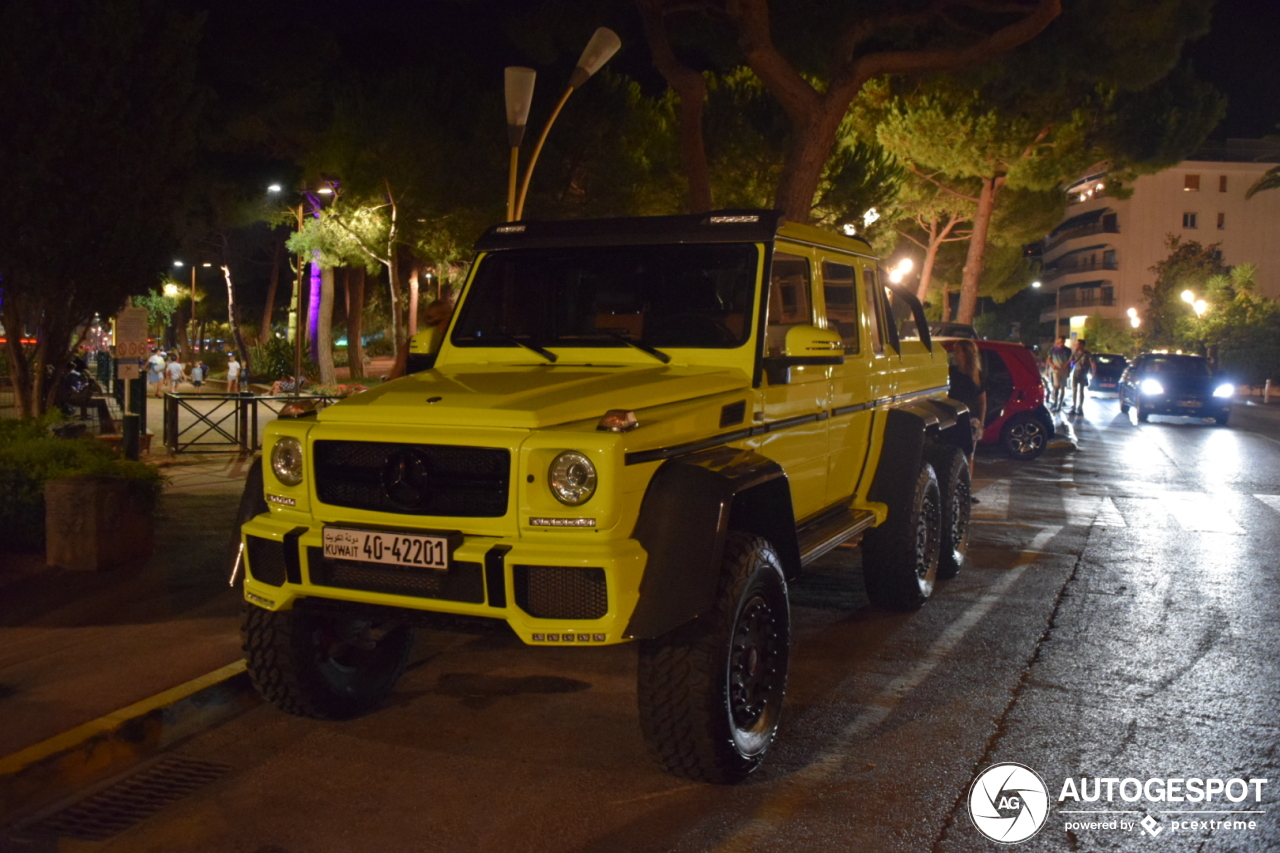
{"points": [[634, 429]]}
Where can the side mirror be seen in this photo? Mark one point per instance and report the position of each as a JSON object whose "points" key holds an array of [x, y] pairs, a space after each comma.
{"points": [[423, 348], [804, 346]]}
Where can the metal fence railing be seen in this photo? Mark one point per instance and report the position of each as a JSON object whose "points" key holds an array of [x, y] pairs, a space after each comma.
{"points": [[222, 423]]}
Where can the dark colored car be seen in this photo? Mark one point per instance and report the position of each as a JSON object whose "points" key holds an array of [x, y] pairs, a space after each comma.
{"points": [[1108, 367], [1017, 419], [1175, 384], [947, 329]]}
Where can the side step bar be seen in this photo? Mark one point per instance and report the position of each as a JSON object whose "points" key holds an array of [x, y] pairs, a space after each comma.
{"points": [[831, 531]]}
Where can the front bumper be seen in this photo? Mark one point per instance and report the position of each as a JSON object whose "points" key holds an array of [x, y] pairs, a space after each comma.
{"points": [[1184, 407], [557, 590]]}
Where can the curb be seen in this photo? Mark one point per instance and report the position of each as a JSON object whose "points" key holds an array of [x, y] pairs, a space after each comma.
{"points": [[58, 767]]}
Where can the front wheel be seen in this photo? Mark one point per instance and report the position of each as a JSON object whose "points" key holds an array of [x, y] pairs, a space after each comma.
{"points": [[324, 665], [710, 692], [900, 557], [1024, 437]]}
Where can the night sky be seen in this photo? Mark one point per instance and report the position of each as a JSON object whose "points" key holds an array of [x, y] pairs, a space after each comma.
{"points": [[1241, 56]]}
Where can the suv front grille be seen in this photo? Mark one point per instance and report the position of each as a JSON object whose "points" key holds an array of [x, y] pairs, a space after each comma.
{"points": [[413, 479], [561, 592]]}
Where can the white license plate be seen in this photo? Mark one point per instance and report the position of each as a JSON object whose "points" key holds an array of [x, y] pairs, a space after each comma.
{"points": [[1190, 404], [390, 548]]}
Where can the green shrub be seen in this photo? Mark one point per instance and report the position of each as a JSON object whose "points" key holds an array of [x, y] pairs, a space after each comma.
{"points": [[30, 456], [380, 345], [274, 360]]}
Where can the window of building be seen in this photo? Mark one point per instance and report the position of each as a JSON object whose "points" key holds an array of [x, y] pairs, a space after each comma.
{"points": [[1188, 220], [1222, 183], [1222, 221], [1109, 259], [1191, 183]]}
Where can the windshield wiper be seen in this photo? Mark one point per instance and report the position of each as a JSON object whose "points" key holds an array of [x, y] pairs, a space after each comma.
{"points": [[618, 336], [512, 340]]}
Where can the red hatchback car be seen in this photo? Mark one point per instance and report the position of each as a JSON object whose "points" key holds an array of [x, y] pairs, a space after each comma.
{"points": [[1017, 419]]}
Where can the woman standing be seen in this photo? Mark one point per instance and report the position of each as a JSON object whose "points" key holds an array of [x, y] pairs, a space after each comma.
{"points": [[966, 386]]}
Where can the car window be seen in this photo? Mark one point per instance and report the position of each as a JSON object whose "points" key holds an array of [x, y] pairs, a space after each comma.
{"points": [[996, 381], [873, 309], [790, 282], [1180, 366], [662, 296], [840, 292]]}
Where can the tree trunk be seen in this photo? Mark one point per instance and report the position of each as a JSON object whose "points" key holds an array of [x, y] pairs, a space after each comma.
{"points": [[397, 306], [977, 249], [413, 299], [806, 158], [20, 372], [313, 307], [355, 321], [324, 329], [264, 330], [233, 317], [691, 94]]}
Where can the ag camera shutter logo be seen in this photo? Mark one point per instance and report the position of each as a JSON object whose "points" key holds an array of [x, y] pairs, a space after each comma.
{"points": [[1008, 802]]}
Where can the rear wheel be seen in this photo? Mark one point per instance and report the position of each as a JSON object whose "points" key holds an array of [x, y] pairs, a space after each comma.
{"points": [[900, 557], [710, 692], [1124, 407], [325, 665], [955, 492], [1024, 437]]}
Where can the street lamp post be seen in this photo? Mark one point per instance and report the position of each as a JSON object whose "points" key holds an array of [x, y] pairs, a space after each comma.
{"points": [[195, 345]]}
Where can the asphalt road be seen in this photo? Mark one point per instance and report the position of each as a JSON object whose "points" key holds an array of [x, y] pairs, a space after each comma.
{"points": [[1118, 620]]}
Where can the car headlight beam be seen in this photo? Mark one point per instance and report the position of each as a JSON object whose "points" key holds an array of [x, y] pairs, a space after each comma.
{"points": [[1224, 390], [572, 478], [286, 460], [1151, 387]]}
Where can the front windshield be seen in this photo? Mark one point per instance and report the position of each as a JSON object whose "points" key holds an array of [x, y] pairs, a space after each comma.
{"points": [[693, 295], [1184, 366]]}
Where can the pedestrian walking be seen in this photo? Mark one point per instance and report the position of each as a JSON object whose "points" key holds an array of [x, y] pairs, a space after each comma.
{"points": [[155, 373], [1081, 367], [233, 375], [1058, 363], [966, 386], [175, 372], [198, 374]]}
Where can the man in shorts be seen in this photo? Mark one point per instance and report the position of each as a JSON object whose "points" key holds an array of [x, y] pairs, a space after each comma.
{"points": [[175, 373], [233, 375], [1058, 362]]}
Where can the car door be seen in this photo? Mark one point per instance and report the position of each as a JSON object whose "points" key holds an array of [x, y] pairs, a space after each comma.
{"points": [[793, 411], [857, 383]]}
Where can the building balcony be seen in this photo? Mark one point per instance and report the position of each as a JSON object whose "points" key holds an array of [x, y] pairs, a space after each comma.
{"points": [[1102, 226], [1056, 272], [1070, 301]]}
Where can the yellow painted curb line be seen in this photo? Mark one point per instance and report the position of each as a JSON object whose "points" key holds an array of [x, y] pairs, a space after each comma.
{"points": [[18, 761]]}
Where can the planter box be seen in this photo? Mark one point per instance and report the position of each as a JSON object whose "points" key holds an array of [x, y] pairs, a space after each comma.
{"points": [[98, 522]]}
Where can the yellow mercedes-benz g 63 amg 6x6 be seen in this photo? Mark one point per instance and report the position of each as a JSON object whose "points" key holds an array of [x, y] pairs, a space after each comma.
{"points": [[634, 429]]}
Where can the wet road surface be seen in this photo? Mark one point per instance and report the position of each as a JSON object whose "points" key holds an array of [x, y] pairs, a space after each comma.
{"points": [[1117, 619]]}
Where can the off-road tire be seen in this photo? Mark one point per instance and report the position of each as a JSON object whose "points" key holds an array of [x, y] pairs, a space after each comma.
{"points": [[1024, 437], [252, 504], [900, 557], [951, 466], [300, 663], [710, 692]]}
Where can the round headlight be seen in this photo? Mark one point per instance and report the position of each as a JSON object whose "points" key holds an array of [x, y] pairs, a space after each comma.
{"points": [[286, 460], [572, 478], [1152, 387], [1224, 390]]}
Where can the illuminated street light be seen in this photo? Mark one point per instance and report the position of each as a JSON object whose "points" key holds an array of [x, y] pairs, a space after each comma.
{"points": [[1201, 306], [1135, 322], [274, 188], [170, 289], [1188, 297], [603, 45], [1035, 284]]}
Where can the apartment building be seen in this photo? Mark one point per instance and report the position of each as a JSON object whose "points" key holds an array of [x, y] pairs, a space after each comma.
{"points": [[1097, 260]]}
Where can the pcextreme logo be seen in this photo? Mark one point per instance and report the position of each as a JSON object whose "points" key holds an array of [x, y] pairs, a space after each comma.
{"points": [[1008, 802]]}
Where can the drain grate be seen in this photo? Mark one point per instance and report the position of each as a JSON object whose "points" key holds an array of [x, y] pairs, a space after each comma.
{"points": [[132, 800]]}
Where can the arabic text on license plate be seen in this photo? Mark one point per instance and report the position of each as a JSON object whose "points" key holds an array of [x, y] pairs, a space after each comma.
{"points": [[1191, 404], [395, 549]]}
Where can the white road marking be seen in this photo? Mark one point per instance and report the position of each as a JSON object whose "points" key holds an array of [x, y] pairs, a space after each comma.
{"points": [[1272, 501], [1200, 511], [800, 786]]}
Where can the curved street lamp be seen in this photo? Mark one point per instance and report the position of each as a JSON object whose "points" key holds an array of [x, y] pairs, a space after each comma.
{"points": [[603, 45]]}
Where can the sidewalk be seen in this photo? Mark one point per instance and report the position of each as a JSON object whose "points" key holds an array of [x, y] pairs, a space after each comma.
{"points": [[75, 646]]}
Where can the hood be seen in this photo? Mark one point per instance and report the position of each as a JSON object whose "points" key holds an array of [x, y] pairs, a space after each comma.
{"points": [[527, 397]]}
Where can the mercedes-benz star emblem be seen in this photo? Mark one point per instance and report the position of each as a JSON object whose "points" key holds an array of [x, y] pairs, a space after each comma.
{"points": [[406, 477]]}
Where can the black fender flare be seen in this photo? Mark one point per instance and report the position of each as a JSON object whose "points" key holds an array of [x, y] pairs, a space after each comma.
{"points": [[907, 428], [690, 504]]}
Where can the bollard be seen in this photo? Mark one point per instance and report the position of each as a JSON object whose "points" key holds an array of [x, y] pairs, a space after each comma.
{"points": [[1266, 392], [130, 436], [137, 392]]}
